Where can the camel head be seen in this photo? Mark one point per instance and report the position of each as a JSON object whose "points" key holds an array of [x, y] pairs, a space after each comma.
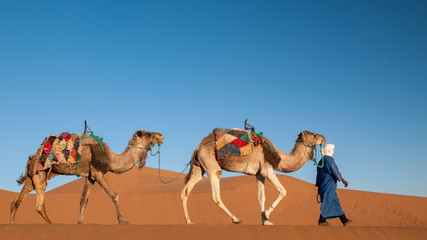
{"points": [[311, 139], [144, 139]]}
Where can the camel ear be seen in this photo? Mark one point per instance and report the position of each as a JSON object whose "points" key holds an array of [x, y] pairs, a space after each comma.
{"points": [[300, 135], [138, 133], [303, 134]]}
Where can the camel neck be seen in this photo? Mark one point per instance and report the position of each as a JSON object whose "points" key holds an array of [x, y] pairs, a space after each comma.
{"points": [[290, 162], [120, 163]]}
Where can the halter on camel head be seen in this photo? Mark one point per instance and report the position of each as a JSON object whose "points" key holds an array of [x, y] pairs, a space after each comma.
{"points": [[314, 148], [150, 144]]}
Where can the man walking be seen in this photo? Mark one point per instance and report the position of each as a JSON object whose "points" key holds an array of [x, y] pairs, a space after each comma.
{"points": [[326, 181]]}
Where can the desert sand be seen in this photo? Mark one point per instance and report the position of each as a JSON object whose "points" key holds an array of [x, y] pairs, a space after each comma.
{"points": [[154, 211]]}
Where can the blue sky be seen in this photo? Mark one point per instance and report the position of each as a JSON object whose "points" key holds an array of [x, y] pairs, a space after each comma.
{"points": [[354, 71]]}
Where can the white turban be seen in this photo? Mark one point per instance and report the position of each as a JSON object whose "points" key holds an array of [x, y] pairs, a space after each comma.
{"points": [[328, 150]]}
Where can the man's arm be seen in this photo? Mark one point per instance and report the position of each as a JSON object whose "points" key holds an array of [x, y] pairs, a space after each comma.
{"points": [[344, 182], [337, 173]]}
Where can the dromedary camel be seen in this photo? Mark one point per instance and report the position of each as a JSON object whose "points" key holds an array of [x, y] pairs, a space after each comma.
{"points": [[262, 162], [95, 162]]}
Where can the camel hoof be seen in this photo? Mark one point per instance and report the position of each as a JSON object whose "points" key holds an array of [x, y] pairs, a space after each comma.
{"points": [[267, 223], [237, 221], [190, 223], [123, 222]]}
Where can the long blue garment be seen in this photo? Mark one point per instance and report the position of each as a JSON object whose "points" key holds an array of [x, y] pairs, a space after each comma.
{"points": [[326, 180]]}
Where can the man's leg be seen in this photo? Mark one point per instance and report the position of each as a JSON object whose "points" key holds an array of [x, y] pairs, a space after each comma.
{"points": [[344, 220], [322, 221]]}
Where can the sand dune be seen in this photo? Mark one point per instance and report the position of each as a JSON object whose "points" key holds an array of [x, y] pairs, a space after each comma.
{"points": [[152, 206]]}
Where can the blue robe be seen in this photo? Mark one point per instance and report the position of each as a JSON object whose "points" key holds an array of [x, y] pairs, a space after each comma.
{"points": [[326, 181]]}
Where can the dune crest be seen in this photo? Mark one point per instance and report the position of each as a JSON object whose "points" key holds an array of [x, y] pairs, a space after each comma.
{"points": [[145, 200]]}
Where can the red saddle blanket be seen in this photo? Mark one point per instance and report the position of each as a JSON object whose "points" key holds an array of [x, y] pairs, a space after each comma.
{"points": [[63, 148], [234, 142]]}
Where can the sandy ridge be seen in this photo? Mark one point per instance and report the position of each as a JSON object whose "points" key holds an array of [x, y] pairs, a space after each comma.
{"points": [[154, 211]]}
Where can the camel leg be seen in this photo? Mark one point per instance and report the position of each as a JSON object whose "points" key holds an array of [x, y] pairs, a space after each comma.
{"points": [[85, 197], [261, 198], [28, 187], [196, 176], [99, 177], [282, 192], [40, 183], [214, 177]]}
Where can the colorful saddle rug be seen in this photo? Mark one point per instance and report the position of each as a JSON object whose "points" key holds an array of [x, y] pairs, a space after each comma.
{"points": [[63, 148], [235, 142]]}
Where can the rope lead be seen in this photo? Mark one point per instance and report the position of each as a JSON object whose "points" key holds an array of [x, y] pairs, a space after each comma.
{"points": [[150, 148], [160, 176]]}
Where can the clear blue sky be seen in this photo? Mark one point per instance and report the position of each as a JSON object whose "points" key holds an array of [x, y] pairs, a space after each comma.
{"points": [[354, 71]]}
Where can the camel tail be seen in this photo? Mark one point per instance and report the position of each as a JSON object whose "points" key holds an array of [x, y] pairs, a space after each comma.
{"points": [[32, 160], [23, 176], [192, 162], [22, 179]]}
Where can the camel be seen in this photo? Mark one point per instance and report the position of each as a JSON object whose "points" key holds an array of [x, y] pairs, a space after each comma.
{"points": [[262, 162], [95, 162]]}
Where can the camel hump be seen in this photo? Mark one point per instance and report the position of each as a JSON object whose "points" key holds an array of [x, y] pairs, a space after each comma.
{"points": [[100, 159], [270, 155], [88, 140]]}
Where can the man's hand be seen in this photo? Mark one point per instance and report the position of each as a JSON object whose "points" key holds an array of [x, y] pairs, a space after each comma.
{"points": [[344, 182]]}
